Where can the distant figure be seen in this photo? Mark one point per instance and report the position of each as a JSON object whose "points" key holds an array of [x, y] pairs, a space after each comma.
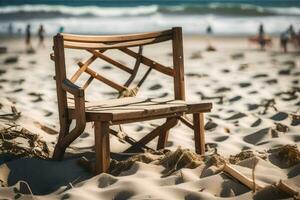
{"points": [[284, 38], [291, 31], [261, 36], [28, 37], [61, 29], [19, 32], [10, 29], [298, 38], [41, 34], [209, 30]]}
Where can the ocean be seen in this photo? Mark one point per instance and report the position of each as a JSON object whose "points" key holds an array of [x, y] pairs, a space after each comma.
{"points": [[123, 16]]}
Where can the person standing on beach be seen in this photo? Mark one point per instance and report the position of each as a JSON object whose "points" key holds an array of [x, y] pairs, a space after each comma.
{"points": [[261, 36], [41, 34], [284, 38], [28, 37]]}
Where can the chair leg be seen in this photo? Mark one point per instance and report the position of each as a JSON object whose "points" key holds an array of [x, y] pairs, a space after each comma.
{"points": [[102, 149], [198, 119], [163, 137], [59, 149]]}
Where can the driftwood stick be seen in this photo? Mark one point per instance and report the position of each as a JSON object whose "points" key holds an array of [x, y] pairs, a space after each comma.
{"points": [[283, 186], [240, 177]]}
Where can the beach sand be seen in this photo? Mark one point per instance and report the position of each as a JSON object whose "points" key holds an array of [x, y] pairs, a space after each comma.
{"points": [[256, 111]]}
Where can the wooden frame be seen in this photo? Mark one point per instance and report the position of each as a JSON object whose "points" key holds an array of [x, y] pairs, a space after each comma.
{"points": [[102, 115]]}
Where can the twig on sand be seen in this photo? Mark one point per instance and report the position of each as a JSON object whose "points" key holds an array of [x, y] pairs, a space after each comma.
{"points": [[267, 103], [253, 175], [14, 115]]}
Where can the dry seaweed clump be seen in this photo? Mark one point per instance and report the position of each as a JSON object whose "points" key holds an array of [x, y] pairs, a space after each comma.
{"points": [[289, 153], [181, 158], [172, 161], [234, 159], [21, 142], [116, 167]]}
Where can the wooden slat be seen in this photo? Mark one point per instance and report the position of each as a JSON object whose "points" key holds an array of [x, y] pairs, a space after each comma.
{"points": [[83, 67], [114, 38], [154, 133], [97, 76], [111, 61], [102, 46], [135, 68], [88, 82], [186, 122], [147, 61]]}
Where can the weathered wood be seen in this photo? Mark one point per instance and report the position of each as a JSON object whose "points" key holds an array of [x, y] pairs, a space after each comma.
{"points": [[154, 133], [163, 136], [125, 110], [199, 133], [115, 38], [101, 46], [150, 63], [179, 87], [111, 61], [186, 122], [82, 68], [102, 147], [60, 71], [103, 79]]}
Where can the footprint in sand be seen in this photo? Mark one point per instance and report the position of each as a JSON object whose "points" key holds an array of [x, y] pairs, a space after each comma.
{"points": [[155, 87], [256, 123], [243, 85], [257, 136], [236, 98], [2, 71], [279, 116], [252, 106], [236, 116], [107, 67], [260, 75], [106, 180], [222, 89]]}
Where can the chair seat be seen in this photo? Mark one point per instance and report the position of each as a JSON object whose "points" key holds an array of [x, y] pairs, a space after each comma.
{"points": [[132, 108]]}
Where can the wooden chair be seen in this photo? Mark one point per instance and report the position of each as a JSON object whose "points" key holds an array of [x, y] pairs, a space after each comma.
{"points": [[127, 109]]}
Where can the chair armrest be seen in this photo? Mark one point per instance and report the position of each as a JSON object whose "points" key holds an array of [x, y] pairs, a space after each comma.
{"points": [[72, 88]]}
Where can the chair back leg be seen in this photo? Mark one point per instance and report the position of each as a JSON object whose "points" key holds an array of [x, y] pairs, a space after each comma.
{"points": [[102, 149], [198, 119]]}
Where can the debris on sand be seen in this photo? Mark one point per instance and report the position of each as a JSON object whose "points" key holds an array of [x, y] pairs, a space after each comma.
{"points": [[281, 127], [21, 142], [3, 49], [196, 55], [268, 103], [11, 60], [237, 56], [14, 115], [234, 159], [210, 48], [290, 154], [295, 119]]}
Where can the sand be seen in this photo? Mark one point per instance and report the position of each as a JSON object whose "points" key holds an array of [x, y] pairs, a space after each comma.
{"points": [[256, 111]]}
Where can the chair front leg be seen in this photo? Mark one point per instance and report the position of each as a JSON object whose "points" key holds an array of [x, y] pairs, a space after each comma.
{"points": [[198, 119], [102, 149], [60, 149]]}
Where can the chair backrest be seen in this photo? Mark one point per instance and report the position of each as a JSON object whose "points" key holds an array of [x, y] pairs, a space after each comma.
{"points": [[97, 45]]}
